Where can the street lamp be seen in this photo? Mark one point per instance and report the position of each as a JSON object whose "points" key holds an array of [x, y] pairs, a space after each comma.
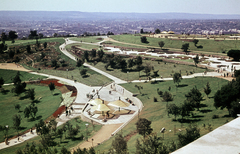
{"points": [[86, 131]]}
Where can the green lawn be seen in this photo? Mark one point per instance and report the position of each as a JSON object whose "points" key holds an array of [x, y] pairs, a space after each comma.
{"points": [[93, 78], [156, 111], [82, 46], [7, 75], [165, 70], [66, 142], [46, 107], [208, 45], [33, 41], [89, 39]]}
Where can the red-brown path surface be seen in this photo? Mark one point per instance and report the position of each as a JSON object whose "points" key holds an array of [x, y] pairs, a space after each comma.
{"points": [[103, 134]]}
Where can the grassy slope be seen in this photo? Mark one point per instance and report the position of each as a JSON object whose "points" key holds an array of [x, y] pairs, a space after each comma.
{"points": [[208, 45], [67, 143], [156, 111], [82, 46], [90, 39], [25, 76], [94, 79], [46, 106], [33, 41], [165, 70]]}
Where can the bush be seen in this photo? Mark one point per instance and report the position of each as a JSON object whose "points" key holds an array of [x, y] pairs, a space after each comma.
{"points": [[155, 99], [215, 116]]}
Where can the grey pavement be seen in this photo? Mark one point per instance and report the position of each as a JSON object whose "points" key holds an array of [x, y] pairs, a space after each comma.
{"points": [[223, 140]]}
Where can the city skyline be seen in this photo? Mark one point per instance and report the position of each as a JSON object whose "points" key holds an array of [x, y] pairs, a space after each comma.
{"points": [[130, 6]]}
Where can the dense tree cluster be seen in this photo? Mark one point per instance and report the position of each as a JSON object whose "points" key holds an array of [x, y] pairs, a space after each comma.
{"points": [[227, 97]]}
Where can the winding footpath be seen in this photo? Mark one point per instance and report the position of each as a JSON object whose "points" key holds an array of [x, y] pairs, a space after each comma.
{"points": [[81, 99]]}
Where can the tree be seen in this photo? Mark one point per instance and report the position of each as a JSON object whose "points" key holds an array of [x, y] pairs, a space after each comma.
{"points": [[17, 107], [144, 127], [235, 108], [194, 97], [226, 95], [28, 48], [119, 144], [4, 37], [167, 96], [174, 110], [16, 121], [237, 73], [33, 35], [161, 44], [235, 54], [130, 63], [65, 151], [100, 53], [1, 82], [12, 35], [45, 45], [148, 69], [83, 72], [177, 78], [157, 31], [144, 39], [31, 94], [16, 79], [139, 88], [93, 53], [141, 31], [192, 133], [196, 60], [3, 47], [185, 109], [79, 63], [123, 64], [86, 55], [54, 63], [207, 89], [151, 145], [195, 41], [138, 60], [51, 86], [185, 47], [30, 111], [11, 53]]}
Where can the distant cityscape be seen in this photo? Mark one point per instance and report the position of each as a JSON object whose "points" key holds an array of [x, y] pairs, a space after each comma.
{"points": [[57, 26]]}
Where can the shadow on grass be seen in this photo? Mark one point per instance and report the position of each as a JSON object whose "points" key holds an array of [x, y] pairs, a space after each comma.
{"points": [[4, 92], [156, 82], [37, 101], [24, 97], [85, 76], [227, 115], [182, 85], [203, 105], [188, 120], [22, 128], [205, 110], [197, 116], [165, 49], [56, 94]]}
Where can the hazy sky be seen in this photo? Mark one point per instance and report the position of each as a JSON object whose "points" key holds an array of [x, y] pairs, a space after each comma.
{"points": [[139, 6]]}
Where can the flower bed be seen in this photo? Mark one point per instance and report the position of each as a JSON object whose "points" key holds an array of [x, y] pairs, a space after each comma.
{"points": [[56, 83], [73, 89], [59, 111]]}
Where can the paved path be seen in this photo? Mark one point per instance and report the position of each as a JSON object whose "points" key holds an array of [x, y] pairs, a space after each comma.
{"points": [[63, 49]]}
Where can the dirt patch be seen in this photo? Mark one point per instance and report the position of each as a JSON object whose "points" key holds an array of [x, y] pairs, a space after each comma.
{"points": [[128, 136], [13, 66], [63, 89]]}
